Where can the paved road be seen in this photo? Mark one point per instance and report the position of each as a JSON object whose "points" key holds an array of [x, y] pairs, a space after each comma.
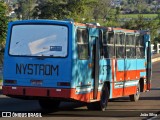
{"points": [[149, 104]]}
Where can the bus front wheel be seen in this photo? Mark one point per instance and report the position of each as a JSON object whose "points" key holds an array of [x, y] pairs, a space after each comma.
{"points": [[135, 97], [49, 105]]}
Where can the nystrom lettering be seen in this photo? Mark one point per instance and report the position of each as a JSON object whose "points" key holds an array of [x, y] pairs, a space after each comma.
{"points": [[37, 69]]}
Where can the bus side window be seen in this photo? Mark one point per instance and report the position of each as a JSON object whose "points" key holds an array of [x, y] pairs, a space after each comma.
{"points": [[82, 42], [108, 44], [120, 46], [140, 52], [130, 46]]}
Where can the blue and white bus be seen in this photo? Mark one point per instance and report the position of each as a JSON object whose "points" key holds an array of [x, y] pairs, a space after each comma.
{"points": [[54, 61]]}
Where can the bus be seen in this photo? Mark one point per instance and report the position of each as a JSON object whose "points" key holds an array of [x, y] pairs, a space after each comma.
{"points": [[55, 60]]}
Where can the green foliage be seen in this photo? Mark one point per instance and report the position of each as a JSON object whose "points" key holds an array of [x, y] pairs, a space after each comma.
{"points": [[78, 9], [141, 24], [102, 9], [135, 16], [52, 9], [157, 39], [25, 9], [62, 9], [3, 24], [139, 6]]}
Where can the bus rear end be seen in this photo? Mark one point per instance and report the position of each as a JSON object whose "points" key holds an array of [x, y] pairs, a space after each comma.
{"points": [[37, 62]]}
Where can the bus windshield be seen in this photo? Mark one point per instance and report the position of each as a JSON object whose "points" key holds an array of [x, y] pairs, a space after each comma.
{"points": [[39, 40]]}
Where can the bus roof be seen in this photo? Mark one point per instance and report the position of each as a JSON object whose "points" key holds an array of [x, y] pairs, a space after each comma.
{"points": [[91, 25], [41, 21]]}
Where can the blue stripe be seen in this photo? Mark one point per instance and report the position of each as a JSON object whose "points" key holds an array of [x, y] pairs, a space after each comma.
{"points": [[131, 64]]}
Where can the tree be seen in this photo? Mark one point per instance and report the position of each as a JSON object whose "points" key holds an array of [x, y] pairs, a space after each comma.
{"points": [[156, 41], [102, 9], [3, 28], [105, 13], [25, 8], [141, 24], [155, 5], [141, 5], [51, 9], [138, 6], [3, 23], [80, 9], [62, 9]]}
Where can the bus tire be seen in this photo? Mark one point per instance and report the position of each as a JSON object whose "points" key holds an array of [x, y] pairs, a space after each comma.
{"points": [[91, 106], [104, 97], [102, 104], [49, 105], [135, 97]]}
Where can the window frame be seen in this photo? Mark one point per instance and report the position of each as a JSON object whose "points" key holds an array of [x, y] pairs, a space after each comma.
{"points": [[82, 43], [106, 45], [101, 43], [129, 46], [140, 46], [120, 45]]}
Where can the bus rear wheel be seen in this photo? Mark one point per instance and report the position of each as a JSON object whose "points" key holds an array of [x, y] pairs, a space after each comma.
{"points": [[135, 97], [49, 105], [102, 104]]}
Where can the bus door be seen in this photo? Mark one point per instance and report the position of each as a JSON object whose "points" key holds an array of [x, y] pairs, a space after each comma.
{"points": [[86, 62], [148, 67], [143, 48], [95, 67]]}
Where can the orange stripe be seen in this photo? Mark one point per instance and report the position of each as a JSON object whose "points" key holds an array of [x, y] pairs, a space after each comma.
{"points": [[130, 90], [128, 75], [119, 92]]}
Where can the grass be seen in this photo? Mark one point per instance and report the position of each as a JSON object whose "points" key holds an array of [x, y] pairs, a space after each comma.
{"points": [[136, 15]]}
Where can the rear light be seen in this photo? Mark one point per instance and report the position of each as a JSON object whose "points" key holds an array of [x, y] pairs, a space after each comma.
{"points": [[63, 84], [10, 81]]}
